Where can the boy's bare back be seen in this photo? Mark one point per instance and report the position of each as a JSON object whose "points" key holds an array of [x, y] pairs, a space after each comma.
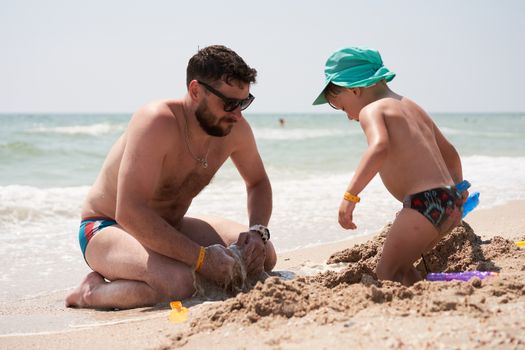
{"points": [[414, 161]]}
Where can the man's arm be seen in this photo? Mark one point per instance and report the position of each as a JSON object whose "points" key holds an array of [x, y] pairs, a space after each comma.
{"points": [[149, 138], [450, 155], [147, 143], [250, 166], [246, 158]]}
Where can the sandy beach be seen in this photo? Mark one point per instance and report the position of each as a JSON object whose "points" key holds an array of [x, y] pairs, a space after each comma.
{"points": [[314, 305]]}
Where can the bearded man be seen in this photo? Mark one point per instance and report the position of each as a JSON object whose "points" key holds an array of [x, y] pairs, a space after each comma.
{"points": [[134, 232]]}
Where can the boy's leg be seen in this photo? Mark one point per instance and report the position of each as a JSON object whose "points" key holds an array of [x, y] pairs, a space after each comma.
{"points": [[410, 235]]}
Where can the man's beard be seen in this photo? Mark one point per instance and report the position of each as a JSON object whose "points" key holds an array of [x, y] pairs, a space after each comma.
{"points": [[210, 123]]}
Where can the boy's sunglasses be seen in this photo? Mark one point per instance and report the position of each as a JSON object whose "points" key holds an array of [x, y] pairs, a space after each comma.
{"points": [[230, 104]]}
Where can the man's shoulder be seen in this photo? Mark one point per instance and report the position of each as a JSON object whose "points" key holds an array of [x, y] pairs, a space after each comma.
{"points": [[160, 112], [155, 119], [158, 109], [241, 131]]}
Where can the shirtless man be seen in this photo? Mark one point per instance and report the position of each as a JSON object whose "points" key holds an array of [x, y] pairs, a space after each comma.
{"points": [[417, 164], [135, 234]]}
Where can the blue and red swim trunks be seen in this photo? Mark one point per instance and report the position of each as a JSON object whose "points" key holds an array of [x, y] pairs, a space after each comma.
{"points": [[89, 227]]}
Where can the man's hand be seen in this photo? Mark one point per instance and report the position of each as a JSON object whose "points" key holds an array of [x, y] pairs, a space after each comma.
{"points": [[218, 264], [253, 251], [346, 210]]}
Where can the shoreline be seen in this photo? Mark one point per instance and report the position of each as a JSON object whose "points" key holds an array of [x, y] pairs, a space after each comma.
{"points": [[50, 325]]}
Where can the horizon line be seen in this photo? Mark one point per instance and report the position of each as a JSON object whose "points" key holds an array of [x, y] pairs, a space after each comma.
{"points": [[247, 113]]}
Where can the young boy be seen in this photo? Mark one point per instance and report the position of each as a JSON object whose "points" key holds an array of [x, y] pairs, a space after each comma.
{"points": [[416, 163]]}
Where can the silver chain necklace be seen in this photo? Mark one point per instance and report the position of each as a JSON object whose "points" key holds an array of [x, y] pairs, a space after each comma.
{"points": [[202, 161]]}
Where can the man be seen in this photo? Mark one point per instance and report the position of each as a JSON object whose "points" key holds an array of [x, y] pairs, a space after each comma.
{"points": [[134, 232]]}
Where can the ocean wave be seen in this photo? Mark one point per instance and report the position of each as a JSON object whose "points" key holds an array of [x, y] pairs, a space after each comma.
{"points": [[299, 134], [92, 130], [493, 134], [26, 204], [20, 148], [498, 179]]}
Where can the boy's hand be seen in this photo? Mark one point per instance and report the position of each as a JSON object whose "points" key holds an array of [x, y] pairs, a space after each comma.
{"points": [[346, 210]]}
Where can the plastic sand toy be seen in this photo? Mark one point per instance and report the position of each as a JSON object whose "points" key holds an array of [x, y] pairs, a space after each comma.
{"points": [[472, 200], [178, 312], [459, 276]]}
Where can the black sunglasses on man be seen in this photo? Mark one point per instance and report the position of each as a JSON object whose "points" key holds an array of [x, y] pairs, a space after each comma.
{"points": [[229, 103]]}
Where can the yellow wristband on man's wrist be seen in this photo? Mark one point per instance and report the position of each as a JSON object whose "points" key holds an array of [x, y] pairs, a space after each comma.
{"points": [[200, 259], [351, 198]]}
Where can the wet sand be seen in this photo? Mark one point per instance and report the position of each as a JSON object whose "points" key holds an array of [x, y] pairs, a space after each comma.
{"points": [[315, 305]]}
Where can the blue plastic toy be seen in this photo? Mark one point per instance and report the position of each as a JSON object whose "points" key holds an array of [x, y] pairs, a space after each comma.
{"points": [[472, 200]]}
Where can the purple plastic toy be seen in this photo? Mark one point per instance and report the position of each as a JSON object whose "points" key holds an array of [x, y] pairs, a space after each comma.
{"points": [[459, 276]]}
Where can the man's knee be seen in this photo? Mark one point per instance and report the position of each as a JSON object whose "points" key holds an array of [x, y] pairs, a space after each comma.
{"points": [[174, 286]]}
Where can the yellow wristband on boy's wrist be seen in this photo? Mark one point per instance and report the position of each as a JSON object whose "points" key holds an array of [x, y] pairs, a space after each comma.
{"points": [[351, 198], [200, 259]]}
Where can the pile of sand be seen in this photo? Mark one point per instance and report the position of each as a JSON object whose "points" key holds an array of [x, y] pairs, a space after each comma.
{"points": [[333, 296], [461, 250]]}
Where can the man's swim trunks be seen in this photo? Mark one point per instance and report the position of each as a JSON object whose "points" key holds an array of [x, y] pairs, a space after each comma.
{"points": [[89, 227], [436, 204]]}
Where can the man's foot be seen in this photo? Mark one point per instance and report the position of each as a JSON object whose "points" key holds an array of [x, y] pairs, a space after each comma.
{"points": [[77, 298]]}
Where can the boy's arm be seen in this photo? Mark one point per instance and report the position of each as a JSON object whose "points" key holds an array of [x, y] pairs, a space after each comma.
{"points": [[450, 155], [373, 124]]}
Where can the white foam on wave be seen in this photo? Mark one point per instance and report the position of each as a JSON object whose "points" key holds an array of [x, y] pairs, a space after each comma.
{"points": [[498, 179], [39, 231], [493, 134], [299, 134], [306, 207], [93, 129], [26, 204]]}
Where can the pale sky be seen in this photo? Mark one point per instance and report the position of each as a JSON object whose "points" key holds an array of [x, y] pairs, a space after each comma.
{"points": [[114, 56]]}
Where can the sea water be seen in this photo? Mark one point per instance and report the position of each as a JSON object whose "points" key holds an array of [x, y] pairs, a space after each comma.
{"points": [[48, 162]]}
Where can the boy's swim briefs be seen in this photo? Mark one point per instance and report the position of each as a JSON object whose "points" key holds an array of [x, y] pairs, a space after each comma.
{"points": [[436, 204]]}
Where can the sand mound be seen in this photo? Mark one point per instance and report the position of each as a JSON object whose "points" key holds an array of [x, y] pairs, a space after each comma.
{"points": [[461, 250], [332, 296]]}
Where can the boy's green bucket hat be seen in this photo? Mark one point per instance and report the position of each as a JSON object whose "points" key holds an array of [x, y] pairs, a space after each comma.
{"points": [[354, 67]]}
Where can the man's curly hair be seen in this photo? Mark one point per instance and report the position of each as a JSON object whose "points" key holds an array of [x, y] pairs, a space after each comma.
{"points": [[218, 62]]}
